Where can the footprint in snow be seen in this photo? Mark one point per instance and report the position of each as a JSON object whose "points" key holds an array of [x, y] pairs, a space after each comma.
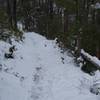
{"points": [[62, 60]]}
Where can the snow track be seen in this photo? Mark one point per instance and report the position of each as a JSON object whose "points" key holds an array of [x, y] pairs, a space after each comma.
{"points": [[38, 73]]}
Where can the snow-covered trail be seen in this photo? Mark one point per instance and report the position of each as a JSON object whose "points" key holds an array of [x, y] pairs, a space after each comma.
{"points": [[40, 72]]}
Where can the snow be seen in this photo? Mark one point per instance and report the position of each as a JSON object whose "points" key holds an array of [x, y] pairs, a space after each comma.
{"points": [[93, 59], [97, 5], [20, 26], [39, 71]]}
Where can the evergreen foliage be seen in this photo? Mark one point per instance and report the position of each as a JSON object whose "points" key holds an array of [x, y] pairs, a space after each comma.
{"points": [[74, 22]]}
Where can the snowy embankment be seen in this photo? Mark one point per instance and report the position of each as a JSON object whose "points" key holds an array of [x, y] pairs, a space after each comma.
{"points": [[40, 72]]}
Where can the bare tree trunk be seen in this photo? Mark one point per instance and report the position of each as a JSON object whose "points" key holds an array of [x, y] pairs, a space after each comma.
{"points": [[51, 8], [98, 51], [65, 21], [78, 38], [14, 15], [77, 11], [93, 13], [9, 13]]}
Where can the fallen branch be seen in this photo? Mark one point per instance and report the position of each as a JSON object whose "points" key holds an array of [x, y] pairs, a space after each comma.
{"points": [[94, 60]]}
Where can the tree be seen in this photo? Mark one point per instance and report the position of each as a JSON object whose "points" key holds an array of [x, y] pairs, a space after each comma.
{"points": [[11, 11]]}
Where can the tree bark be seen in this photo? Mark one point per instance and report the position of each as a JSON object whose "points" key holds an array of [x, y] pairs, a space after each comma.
{"points": [[14, 15], [65, 21], [98, 51], [9, 13]]}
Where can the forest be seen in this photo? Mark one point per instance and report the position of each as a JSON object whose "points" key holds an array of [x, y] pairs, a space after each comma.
{"points": [[49, 49], [74, 23]]}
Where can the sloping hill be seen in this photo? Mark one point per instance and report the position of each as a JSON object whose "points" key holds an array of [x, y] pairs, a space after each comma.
{"points": [[40, 72]]}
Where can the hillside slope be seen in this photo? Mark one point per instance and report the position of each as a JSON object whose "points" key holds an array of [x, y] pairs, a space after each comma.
{"points": [[40, 72]]}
